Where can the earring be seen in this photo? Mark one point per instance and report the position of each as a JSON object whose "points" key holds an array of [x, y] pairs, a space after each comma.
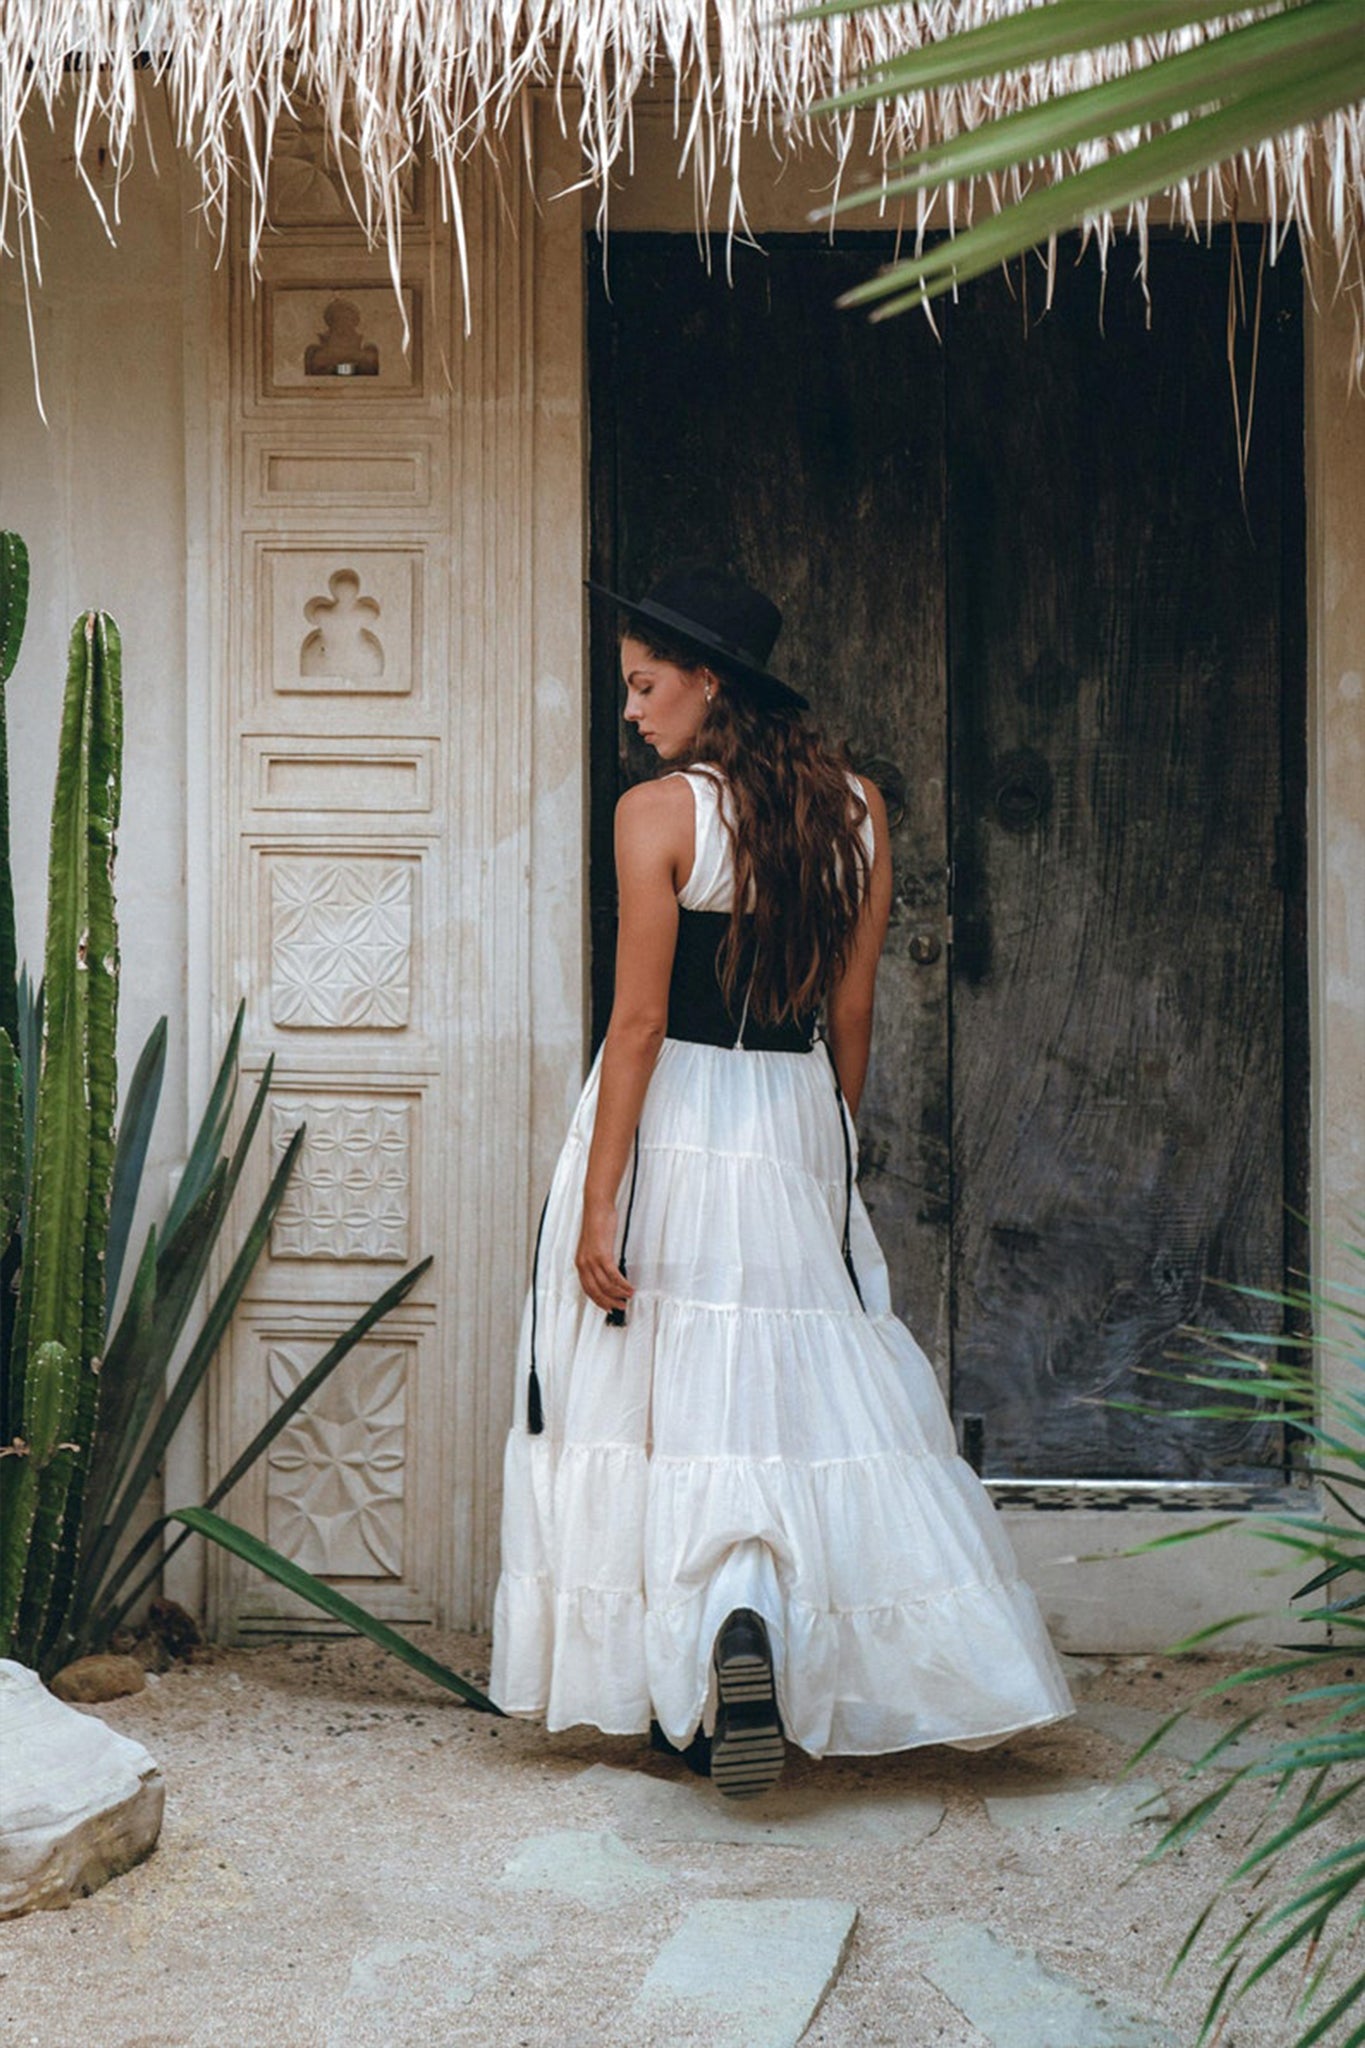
{"points": [[707, 694]]}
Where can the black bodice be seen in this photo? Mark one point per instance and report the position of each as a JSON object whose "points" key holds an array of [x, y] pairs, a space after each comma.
{"points": [[697, 1010]]}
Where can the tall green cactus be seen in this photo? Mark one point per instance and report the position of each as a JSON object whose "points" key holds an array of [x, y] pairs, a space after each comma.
{"points": [[51, 1382], [13, 611], [61, 1292]]}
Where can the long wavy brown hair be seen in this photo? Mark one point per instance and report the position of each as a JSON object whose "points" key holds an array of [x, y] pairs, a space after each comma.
{"points": [[801, 867]]}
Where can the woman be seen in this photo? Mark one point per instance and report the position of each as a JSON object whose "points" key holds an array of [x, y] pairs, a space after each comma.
{"points": [[733, 1500]]}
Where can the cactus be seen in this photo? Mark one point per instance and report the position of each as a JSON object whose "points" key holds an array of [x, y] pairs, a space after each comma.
{"points": [[13, 611], [50, 1388], [61, 1290]]}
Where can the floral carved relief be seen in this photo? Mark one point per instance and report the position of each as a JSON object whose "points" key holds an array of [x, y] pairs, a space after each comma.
{"points": [[335, 1476], [307, 185], [340, 943], [349, 1196]]}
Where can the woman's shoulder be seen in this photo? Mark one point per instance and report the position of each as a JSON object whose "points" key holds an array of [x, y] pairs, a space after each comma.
{"points": [[655, 798]]}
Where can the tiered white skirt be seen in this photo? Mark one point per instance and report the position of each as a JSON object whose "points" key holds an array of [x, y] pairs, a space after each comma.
{"points": [[751, 1438]]}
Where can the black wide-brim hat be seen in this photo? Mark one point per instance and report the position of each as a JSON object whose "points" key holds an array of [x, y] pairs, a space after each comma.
{"points": [[724, 619]]}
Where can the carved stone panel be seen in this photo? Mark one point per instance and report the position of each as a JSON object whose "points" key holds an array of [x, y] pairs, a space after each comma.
{"points": [[340, 941], [340, 344], [341, 621], [343, 477], [350, 1194], [350, 778], [310, 188], [335, 1476]]}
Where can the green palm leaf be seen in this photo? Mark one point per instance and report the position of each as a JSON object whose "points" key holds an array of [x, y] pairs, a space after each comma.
{"points": [[1297, 63]]}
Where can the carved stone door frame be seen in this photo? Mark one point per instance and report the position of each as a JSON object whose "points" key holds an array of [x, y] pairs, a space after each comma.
{"points": [[395, 729]]}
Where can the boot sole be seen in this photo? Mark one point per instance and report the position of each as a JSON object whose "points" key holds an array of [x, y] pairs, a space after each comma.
{"points": [[747, 1750]]}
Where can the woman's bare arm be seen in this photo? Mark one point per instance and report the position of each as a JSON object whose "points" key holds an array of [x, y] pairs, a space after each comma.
{"points": [[848, 1009], [654, 832]]}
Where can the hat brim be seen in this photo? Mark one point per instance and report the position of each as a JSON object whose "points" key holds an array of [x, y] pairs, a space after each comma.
{"points": [[760, 682]]}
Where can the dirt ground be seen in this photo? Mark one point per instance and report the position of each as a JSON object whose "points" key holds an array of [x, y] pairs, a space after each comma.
{"points": [[332, 1871]]}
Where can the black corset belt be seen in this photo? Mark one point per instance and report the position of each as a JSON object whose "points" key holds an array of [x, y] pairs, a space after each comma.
{"points": [[697, 1010]]}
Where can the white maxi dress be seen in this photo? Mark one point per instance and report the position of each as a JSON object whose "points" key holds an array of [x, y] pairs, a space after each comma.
{"points": [[753, 1437]]}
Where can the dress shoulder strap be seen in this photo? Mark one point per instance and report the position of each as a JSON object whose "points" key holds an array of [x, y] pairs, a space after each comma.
{"points": [[710, 886]]}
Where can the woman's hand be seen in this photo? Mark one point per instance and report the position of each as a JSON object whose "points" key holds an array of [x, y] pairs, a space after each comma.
{"points": [[598, 1271]]}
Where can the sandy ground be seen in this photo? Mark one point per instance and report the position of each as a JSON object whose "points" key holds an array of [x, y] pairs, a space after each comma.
{"points": [[331, 1870]]}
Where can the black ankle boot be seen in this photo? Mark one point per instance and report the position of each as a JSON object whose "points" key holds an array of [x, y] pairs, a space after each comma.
{"points": [[747, 1750], [697, 1755]]}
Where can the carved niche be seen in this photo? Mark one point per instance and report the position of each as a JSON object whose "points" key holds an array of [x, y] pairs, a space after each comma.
{"points": [[335, 1474], [340, 942], [340, 341], [340, 623], [350, 1195]]}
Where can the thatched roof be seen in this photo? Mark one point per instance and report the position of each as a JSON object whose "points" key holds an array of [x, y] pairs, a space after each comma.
{"points": [[445, 76]]}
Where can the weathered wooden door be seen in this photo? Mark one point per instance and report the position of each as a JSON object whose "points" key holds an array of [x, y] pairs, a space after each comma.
{"points": [[1023, 579]]}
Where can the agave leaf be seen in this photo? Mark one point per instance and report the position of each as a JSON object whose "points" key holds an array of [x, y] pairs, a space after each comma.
{"points": [[112, 1609], [135, 1365], [13, 600], [312, 1380], [208, 1140], [119, 1378], [134, 1135], [188, 1379], [254, 1552]]}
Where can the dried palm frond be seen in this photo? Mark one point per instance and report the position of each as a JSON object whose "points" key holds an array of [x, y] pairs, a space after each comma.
{"points": [[389, 78]]}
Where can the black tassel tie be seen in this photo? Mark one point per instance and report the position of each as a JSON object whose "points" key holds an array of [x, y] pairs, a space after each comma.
{"points": [[535, 1411], [844, 1120]]}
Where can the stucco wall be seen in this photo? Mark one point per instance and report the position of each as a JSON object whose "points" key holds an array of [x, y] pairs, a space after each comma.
{"points": [[99, 495]]}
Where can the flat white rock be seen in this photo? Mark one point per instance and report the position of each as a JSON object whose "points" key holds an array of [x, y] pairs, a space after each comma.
{"points": [[746, 1973], [598, 1870], [78, 1801]]}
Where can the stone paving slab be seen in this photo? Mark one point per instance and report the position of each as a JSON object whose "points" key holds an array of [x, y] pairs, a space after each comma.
{"points": [[598, 1870], [1016, 2001], [1075, 1805], [804, 1817], [1187, 1741], [747, 1973], [410, 1992]]}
